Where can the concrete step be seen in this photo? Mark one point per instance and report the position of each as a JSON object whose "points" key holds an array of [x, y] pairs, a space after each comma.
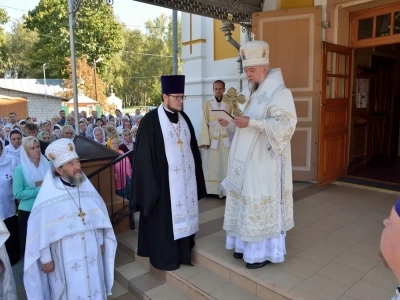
{"points": [[209, 278]]}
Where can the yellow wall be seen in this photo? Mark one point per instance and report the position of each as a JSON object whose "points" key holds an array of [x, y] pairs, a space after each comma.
{"points": [[222, 49], [296, 3]]}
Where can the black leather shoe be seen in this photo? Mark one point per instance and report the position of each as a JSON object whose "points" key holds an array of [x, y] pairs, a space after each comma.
{"points": [[238, 255], [257, 265]]}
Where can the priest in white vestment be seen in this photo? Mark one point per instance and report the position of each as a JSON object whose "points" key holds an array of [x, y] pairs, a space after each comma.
{"points": [[215, 141], [70, 245], [259, 204], [7, 283]]}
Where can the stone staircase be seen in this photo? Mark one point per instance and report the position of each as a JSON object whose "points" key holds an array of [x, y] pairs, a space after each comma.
{"points": [[210, 278]]}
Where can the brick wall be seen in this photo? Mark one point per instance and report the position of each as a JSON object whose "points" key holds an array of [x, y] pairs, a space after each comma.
{"points": [[38, 106]]}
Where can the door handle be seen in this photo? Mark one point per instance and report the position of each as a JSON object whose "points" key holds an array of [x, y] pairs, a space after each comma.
{"points": [[322, 104]]}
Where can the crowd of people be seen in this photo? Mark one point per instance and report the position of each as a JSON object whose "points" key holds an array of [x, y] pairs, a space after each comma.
{"points": [[24, 164]]}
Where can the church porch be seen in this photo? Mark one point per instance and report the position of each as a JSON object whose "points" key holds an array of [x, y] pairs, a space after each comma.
{"points": [[332, 253]]}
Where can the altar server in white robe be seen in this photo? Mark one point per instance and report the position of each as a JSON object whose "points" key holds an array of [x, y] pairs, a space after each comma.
{"points": [[215, 141], [259, 204], [70, 245], [7, 283]]}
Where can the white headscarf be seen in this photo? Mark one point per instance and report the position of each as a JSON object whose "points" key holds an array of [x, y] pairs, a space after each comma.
{"points": [[104, 135], [4, 159], [14, 152], [33, 174]]}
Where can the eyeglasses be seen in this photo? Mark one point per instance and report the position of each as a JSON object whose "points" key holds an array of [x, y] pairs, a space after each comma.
{"points": [[177, 98]]}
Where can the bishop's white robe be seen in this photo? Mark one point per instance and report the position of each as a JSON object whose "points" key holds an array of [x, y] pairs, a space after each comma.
{"points": [[56, 233], [215, 158], [259, 204], [7, 283]]}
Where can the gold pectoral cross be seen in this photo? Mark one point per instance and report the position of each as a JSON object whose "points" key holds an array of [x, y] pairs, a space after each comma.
{"points": [[179, 142], [82, 215]]}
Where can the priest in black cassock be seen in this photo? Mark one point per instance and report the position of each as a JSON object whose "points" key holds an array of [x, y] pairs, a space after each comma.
{"points": [[168, 180]]}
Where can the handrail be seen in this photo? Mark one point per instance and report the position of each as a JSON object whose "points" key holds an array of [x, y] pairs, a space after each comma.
{"points": [[119, 158]]}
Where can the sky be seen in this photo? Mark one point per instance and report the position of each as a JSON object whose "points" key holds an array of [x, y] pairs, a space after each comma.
{"points": [[132, 13]]}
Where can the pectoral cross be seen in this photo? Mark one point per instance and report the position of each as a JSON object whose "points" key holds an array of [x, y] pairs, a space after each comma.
{"points": [[179, 142], [82, 215]]}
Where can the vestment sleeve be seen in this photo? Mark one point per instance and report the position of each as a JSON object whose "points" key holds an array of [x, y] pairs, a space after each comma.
{"points": [[45, 255], [204, 135], [280, 123]]}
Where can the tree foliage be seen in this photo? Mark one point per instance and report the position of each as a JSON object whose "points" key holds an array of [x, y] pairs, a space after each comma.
{"points": [[3, 20], [92, 82], [146, 56], [96, 35], [18, 43]]}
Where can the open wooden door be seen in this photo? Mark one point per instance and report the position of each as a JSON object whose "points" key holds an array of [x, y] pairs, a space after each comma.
{"points": [[294, 38], [334, 113]]}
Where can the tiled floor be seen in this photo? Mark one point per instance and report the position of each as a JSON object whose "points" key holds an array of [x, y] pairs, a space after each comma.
{"points": [[333, 251]]}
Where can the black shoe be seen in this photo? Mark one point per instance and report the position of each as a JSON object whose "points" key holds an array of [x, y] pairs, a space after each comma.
{"points": [[238, 255], [257, 265]]}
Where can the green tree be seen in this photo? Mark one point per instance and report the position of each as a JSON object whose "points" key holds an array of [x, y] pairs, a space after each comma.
{"points": [[18, 48], [97, 34], [146, 56], [85, 72], [3, 20]]}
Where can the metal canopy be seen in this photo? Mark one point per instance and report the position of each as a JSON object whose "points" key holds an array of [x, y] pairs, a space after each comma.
{"points": [[237, 11]]}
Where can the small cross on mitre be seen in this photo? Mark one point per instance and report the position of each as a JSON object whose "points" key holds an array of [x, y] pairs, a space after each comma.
{"points": [[233, 97]]}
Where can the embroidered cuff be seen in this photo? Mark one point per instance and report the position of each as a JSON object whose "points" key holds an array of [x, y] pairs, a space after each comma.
{"points": [[256, 124], [45, 256]]}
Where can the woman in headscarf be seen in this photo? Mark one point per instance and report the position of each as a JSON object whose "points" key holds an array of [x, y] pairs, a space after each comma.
{"points": [[44, 136], [99, 135], [122, 171], [111, 131], [45, 126], [7, 203], [14, 148], [7, 130], [55, 135], [28, 177]]}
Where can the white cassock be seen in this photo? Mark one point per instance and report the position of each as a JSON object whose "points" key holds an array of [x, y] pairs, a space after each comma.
{"points": [[56, 232], [7, 283], [214, 159], [259, 203]]}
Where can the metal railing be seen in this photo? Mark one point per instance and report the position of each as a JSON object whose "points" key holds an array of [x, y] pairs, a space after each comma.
{"points": [[121, 168]]}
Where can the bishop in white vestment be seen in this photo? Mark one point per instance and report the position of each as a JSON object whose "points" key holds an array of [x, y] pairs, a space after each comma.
{"points": [[215, 142], [7, 283], [70, 246], [259, 204]]}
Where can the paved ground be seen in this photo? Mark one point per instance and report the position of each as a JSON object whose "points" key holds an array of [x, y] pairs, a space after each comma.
{"points": [[332, 253], [18, 270]]}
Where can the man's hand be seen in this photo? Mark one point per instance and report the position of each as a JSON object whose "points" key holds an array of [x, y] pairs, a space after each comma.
{"points": [[49, 267], [102, 249], [241, 122], [223, 122]]}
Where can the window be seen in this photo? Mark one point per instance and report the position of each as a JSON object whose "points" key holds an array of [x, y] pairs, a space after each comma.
{"points": [[377, 26]]}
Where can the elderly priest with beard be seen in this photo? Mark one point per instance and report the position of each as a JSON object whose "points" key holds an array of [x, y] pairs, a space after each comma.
{"points": [[70, 245], [168, 180], [259, 203]]}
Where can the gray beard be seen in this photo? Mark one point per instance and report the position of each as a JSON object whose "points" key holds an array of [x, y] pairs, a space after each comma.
{"points": [[253, 86], [77, 179]]}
